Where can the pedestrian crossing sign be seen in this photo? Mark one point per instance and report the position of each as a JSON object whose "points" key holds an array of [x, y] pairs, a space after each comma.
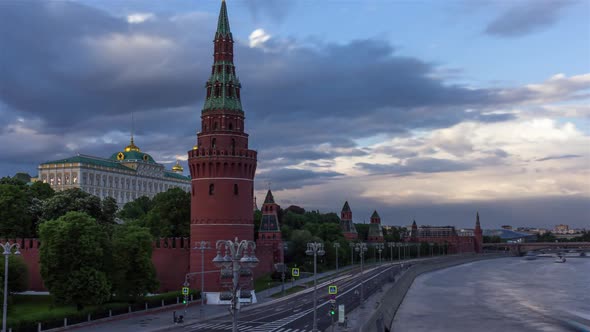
{"points": [[184, 290], [332, 289], [295, 272]]}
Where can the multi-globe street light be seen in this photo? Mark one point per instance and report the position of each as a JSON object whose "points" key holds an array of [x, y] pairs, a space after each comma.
{"points": [[7, 252], [379, 247], [391, 245], [315, 249], [238, 254], [336, 246], [351, 245], [361, 248]]}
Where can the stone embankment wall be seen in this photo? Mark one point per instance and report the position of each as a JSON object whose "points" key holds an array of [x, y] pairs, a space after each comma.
{"points": [[382, 318]]}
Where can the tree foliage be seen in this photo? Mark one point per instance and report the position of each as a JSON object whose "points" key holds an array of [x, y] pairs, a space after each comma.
{"points": [[134, 274], [75, 259], [18, 274], [166, 215], [15, 218]]}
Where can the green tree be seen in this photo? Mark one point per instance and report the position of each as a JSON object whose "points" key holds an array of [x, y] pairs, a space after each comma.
{"points": [[134, 274], [362, 230], [15, 218], [72, 200], [171, 213], [40, 190], [18, 274], [137, 209], [24, 177], [546, 237], [108, 210], [75, 259]]}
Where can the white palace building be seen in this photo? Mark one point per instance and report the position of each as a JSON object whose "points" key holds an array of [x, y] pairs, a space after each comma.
{"points": [[125, 176]]}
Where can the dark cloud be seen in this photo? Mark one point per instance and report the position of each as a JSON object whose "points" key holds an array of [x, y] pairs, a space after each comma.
{"points": [[289, 178], [276, 10], [565, 156], [417, 165], [526, 17]]}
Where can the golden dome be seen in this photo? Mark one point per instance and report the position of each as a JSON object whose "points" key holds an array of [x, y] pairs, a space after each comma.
{"points": [[132, 147], [177, 167], [195, 147]]}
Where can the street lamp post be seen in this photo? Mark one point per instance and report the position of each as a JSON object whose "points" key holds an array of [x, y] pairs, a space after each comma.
{"points": [[399, 250], [361, 248], [237, 254], [285, 247], [391, 245], [202, 246], [430, 244], [7, 252], [379, 247], [337, 247], [351, 245], [315, 249]]}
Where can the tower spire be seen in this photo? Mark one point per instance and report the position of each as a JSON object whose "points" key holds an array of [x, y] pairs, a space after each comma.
{"points": [[223, 21]]}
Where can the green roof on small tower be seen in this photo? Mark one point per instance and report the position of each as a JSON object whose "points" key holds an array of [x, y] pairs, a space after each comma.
{"points": [[269, 198], [375, 215], [223, 21], [346, 207]]}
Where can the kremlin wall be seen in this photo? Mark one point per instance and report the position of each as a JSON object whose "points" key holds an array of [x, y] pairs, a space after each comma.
{"points": [[222, 169]]}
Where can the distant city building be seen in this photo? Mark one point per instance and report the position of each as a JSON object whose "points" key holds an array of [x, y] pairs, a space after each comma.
{"points": [[508, 227], [347, 224], [125, 176], [465, 240], [511, 236], [561, 229]]}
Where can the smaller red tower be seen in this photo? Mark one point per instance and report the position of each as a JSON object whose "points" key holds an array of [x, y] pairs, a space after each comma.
{"points": [[348, 229], [375, 231], [478, 235], [414, 232], [270, 243]]}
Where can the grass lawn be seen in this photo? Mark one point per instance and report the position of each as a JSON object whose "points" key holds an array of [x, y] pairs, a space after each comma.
{"points": [[30, 309], [265, 282]]}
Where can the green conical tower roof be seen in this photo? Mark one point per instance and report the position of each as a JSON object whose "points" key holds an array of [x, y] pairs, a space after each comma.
{"points": [[223, 86], [269, 198], [346, 207], [375, 215], [223, 21]]}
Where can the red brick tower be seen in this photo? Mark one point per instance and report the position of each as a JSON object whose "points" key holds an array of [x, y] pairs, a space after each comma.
{"points": [[269, 246], [375, 231], [348, 229], [414, 232], [478, 235], [221, 165]]}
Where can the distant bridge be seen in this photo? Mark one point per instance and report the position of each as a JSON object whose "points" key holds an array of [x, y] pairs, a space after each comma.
{"points": [[518, 249]]}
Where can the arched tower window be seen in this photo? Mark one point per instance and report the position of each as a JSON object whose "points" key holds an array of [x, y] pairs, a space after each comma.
{"points": [[233, 146], [215, 126], [231, 126], [211, 189], [235, 189], [213, 143]]}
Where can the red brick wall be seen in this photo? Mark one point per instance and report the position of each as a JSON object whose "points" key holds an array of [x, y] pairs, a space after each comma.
{"points": [[171, 260]]}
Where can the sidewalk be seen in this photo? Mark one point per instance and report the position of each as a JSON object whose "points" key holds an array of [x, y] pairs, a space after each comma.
{"points": [[162, 318]]}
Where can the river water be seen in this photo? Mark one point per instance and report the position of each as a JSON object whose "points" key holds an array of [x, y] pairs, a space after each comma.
{"points": [[504, 294]]}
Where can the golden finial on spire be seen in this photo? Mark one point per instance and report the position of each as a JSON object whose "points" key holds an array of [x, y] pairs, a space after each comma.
{"points": [[132, 146]]}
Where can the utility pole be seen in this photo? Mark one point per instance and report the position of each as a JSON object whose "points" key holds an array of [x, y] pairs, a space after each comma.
{"points": [[315, 249], [351, 245], [7, 252], [379, 247], [337, 247], [285, 246], [391, 245], [202, 246], [361, 248]]}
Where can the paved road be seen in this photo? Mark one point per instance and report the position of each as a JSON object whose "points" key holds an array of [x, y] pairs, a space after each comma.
{"points": [[295, 313]]}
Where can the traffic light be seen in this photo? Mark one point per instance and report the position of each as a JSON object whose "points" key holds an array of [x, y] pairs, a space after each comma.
{"points": [[185, 299], [332, 309]]}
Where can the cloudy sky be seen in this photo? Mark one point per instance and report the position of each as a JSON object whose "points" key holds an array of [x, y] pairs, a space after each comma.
{"points": [[430, 110]]}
